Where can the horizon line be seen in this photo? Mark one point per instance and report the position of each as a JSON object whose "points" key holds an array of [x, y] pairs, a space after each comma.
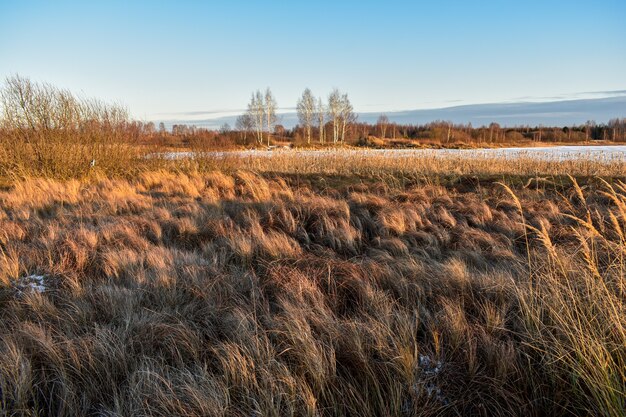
{"points": [[566, 97]]}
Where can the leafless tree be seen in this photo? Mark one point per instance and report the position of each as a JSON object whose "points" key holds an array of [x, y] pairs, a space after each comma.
{"points": [[244, 124], [346, 115], [56, 131], [588, 126], [306, 110], [270, 113], [256, 114], [382, 122], [334, 112], [320, 113], [149, 129], [225, 129], [340, 113], [35, 109]]}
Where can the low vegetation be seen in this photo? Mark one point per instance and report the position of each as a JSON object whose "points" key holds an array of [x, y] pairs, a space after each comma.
{"points": [[242, 294], [328, 283], [47, 131]]}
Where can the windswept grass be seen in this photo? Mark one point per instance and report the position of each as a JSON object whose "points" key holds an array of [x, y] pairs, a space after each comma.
{"points": [[342, 162], [243, 294]]}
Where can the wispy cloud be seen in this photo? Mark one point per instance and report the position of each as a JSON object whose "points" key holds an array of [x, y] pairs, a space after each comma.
{"points": [[214, 118], [529, 115], [570, 96], [201, 112], [212, 114]]}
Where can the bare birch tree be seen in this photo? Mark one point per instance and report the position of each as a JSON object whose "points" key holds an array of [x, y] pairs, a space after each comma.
{"points": [[270, 113], [256, 113], [320, 112], [383, 123], [244, 124], [306, 110], [334, 112], [346, 116]]}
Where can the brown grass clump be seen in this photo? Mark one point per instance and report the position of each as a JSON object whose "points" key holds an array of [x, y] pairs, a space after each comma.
{"points": [[240, 294]]}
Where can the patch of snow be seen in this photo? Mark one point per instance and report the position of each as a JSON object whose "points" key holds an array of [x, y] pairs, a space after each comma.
{"points": [[429, 368], [601, 153], [31, 283]]}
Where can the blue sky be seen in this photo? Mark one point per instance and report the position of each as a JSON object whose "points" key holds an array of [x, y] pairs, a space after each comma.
{"points": [[176, 59]]}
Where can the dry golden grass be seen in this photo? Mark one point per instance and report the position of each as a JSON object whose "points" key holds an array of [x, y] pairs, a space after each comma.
{"points": [[244, 294], [71, 158], [371, 163]]}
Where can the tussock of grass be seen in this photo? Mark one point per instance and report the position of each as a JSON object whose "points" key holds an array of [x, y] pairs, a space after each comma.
{"points": [[241, 294]]}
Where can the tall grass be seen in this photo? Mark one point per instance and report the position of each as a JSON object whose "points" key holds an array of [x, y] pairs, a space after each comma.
{"points": [[345, 162], [51, 133], [574, 309], [240, 294]]}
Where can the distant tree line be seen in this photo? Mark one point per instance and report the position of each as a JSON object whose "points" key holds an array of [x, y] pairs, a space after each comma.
{"points": [[35, 113], [260, 118], [333, 121], [322, 129]]}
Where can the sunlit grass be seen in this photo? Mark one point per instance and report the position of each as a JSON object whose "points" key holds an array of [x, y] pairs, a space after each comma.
{"points": [[200, 292]]}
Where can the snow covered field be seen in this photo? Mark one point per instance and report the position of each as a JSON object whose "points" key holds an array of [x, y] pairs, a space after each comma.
{"points": [[555, 153]]}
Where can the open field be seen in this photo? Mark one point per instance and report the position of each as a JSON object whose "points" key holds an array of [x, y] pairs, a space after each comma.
{"points": [[312, 208], [315, 288], [574, 160], [72, 161], [50, 132], [336, 281], [546, 153]]}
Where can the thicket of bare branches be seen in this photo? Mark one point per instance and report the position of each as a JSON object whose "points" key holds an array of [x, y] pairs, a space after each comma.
{"points": [[50, 131]]}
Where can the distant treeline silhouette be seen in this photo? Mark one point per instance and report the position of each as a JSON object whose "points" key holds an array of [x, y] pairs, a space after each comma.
{"points": [[334, 122], [36, 117], [392, 135]]}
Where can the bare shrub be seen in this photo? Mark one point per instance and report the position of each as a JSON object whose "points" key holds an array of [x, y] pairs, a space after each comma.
{"points": [[50, 132]]}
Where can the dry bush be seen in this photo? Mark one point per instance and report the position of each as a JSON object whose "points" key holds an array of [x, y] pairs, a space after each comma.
{"points": [[47, 131], [240, 294]]}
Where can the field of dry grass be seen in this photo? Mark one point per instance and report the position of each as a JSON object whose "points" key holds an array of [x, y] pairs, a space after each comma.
{"points": [[428, 165], [356, 290], [68, 158]]}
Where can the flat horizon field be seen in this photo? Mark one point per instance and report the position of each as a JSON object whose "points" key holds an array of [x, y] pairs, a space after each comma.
{"points": [[312, 294], [312, 209], [329, 281]]}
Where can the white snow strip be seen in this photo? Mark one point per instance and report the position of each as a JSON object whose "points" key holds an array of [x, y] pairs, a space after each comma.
{"points": [[548, 153]]}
